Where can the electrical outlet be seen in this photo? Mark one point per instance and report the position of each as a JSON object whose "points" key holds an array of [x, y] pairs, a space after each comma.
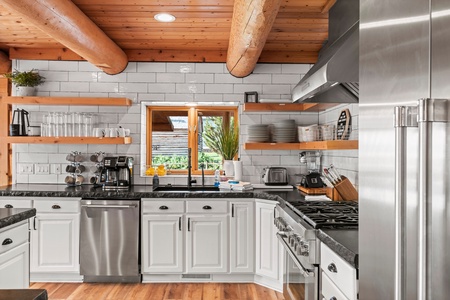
{"points": [[41, 169], [26, 169], [55, 169]]}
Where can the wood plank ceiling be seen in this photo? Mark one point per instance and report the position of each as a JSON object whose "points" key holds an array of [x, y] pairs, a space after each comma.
{"points": [[200, 33]]}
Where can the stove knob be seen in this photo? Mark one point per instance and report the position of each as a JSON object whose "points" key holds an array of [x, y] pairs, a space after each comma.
{"points": [[292, 239], [304, 248]]}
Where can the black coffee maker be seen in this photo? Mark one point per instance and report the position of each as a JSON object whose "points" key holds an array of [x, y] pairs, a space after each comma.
{"points": [[117, 172], [20, 123]]}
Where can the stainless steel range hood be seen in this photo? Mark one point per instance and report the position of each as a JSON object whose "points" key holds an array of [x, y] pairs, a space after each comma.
{"points": [[334, 78]]}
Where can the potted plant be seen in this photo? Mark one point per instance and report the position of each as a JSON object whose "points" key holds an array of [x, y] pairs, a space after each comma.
{"points": [[224, 140], [25, 82]]}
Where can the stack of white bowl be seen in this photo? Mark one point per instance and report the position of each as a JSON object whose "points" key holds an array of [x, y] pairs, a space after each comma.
{"points": [[258, 133], [284, 131]]}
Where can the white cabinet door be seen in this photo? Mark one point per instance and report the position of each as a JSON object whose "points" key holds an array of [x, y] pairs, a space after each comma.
{"points": [[207, 244], [14, 268], [242, 237], [162, 244], [55, 243], [267, 250]]}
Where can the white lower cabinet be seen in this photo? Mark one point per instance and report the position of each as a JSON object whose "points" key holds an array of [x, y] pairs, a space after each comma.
{"points": [[162, 244], [207, 244], [339, 278], [14, 257], [242, 237], [267, 245], [55, 236]]}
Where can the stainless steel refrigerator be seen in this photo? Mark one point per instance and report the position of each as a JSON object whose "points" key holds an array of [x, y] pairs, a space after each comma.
{"points": [[404, 167]]}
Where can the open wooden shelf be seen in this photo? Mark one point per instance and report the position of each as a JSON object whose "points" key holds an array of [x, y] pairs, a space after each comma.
{"points": [[319, 145], [67, 140], [98, 101], [308, 107]]}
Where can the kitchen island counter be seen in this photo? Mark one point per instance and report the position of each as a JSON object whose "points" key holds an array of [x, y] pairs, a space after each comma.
{"points": [[9, 216]]}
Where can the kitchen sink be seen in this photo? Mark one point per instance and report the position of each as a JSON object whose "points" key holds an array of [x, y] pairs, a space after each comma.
{"points": [[185, 188]]}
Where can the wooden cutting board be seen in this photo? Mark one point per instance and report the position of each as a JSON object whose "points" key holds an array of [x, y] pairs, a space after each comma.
{"points": [[312, 191]]}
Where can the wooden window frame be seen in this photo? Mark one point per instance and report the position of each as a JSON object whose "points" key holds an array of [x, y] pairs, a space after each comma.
{"points": [[193, 113]]}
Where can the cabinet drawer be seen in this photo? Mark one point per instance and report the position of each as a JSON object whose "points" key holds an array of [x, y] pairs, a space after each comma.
{"points": [[329, 290], [210, 206], [341, 273], [13, 237], [163, 207], [57, 206], [16, 203]]}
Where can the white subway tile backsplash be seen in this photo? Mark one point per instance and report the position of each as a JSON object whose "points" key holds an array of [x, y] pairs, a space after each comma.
{"points": [[63, 66], [219, 88], [143, 67], [170, 77], [103, 77], [27, 65], [173, 82], [141, 77]]}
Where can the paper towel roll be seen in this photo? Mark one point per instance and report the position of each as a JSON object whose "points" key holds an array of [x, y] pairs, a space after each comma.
{"points": [[237, 169]]}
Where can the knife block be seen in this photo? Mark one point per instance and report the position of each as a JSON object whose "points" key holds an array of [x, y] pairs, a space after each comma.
{"points": [[346, 190], [333, 194]]}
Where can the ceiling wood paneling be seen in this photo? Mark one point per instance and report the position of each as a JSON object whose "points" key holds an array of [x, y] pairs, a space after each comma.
{"points": [[201, 31]]}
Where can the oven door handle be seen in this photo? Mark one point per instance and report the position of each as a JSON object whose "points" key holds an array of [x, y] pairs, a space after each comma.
{"points": [[303, 271]]}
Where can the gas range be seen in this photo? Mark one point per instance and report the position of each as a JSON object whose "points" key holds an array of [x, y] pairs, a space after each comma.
{"points": [[297, 223]]}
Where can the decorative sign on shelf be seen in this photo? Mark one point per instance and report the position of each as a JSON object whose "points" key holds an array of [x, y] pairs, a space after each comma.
{"points": [[344, 125], [251, 97]]}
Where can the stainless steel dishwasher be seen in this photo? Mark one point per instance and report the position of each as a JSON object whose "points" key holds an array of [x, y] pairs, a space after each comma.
{"points": [[109, 240]]}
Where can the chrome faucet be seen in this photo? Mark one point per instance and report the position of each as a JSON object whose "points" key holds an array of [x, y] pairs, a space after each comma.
{"points": [[190, 181]]}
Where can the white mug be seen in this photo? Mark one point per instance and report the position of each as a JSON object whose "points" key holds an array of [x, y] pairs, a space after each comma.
{"points": [[113, 132], [99, 132], [123, 132]]}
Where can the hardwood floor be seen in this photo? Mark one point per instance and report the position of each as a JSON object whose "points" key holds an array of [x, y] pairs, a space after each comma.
{"points": [[157, 291]]}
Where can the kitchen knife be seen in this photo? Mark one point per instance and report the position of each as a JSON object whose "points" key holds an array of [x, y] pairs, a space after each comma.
{"points": [[335, 172], [326, 181], [329, 176]]}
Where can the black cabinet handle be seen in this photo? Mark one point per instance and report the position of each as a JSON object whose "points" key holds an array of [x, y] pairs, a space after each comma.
{"points": [[9, 206], [56, 206], [163, 207], [189, 224], [179, 223], [332, 268], [232, 210], [34, 223], [207, 207], [333, 298], [7, 242]]}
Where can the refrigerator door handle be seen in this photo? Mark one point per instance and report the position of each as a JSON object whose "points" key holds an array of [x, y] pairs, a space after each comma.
{"points": [[404, 117], [429, 111]]}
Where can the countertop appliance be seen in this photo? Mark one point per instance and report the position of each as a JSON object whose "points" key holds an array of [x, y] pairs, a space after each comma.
{"points": [[275, 176], [404, 160], [117, 172], [109, 240], [297, 223]]}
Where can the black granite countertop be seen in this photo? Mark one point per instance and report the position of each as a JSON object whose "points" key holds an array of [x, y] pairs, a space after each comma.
{"points": [[345, 243], [9, 216], [342, 241], [24, 294]]}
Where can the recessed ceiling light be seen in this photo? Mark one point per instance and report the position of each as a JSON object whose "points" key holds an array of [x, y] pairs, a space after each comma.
{"points": [[164, 17]]}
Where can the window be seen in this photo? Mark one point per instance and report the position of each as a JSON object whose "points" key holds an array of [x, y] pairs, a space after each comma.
{"points": [[172, 130]]}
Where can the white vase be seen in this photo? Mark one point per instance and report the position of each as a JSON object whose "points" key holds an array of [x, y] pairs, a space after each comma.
{"points": [[237, 170], [228, 167], [24, 91]]}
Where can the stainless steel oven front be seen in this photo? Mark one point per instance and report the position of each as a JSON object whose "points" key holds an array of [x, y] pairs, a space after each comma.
{"points": [[299, 282]]}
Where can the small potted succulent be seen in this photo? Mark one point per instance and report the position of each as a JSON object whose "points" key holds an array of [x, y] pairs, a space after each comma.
{"points": [[25, 82]]}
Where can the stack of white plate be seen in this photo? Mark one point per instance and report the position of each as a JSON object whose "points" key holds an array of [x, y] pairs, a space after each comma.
{"points": [[284, 131], [258, 133]]}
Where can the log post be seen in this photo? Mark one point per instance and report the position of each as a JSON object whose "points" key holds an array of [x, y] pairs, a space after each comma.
{"points": [[251, 24], [66, 23]]}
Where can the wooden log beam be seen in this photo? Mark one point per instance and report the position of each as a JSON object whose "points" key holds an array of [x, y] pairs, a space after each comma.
{"points": [[5, 63], [250, 27], [66, 23]]}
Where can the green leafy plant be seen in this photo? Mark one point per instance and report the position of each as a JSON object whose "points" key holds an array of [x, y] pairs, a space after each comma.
{"points": [[26, 78], [222, 139]]}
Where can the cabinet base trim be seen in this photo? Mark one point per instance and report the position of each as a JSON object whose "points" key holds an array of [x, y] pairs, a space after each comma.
{"points": [[148, 278], [55, 277]]}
